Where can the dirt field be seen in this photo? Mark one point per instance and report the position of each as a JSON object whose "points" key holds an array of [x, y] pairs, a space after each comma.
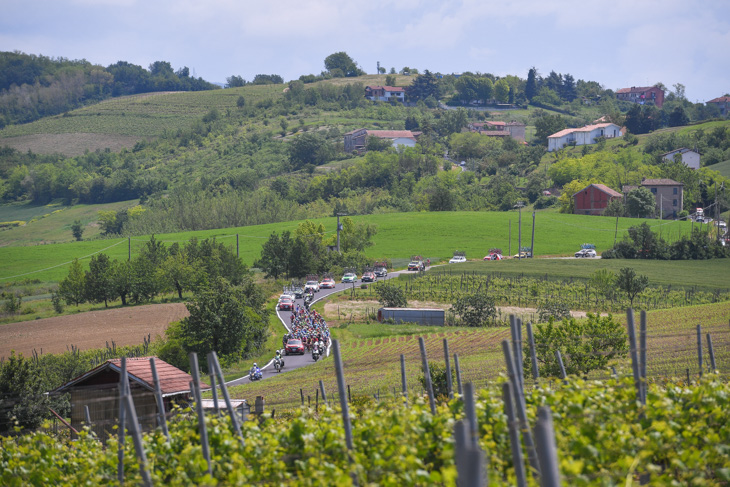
{"points": [[70, 145], [126, 326]]}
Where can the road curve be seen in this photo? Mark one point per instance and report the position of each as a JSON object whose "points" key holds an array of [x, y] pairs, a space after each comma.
{"points": [[293, 362]]}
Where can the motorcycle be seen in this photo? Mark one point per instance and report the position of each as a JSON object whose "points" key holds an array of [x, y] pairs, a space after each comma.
{"points": [[315, 354], [278, 364], [255, 375]]}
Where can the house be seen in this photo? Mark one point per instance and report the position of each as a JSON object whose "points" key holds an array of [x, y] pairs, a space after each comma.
{"points": [[357, 139], [516, 130], [642, 95], [385, 93], [722, 103], [593, 199], [689, 157], [99, 390], [583, 136], [669, 196]]}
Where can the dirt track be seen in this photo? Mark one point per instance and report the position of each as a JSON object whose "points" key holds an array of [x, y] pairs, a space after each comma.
{"points": [[126, 326]]}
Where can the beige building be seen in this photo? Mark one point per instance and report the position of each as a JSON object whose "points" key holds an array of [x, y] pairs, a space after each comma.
{"points": [[669, 195]]}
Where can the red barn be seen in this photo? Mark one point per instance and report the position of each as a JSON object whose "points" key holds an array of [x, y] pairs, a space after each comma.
{"points": [[593, 199]]}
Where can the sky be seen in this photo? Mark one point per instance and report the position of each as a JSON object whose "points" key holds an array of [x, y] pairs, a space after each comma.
{"points": [[620, 44]]}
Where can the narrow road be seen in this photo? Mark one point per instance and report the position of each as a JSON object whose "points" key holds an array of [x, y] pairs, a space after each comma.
{"points": [[293, 362]]}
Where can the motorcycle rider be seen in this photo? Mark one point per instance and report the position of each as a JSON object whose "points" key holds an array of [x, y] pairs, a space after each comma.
{"points": [[278, 359], [255, 371]]}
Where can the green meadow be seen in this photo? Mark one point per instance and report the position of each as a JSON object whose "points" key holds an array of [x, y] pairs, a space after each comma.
{"points": [[434, 235]]}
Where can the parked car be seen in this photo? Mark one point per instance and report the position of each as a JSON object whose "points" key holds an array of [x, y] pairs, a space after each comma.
{"points": [[349, 277], [294, 346], [312, 285], [286, 304], [522, 255], [494, 256], [369, 277], [457, 259], [327, 283], [586, 253]]}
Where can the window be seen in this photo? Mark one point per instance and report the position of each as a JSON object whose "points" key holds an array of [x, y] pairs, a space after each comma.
{"points": [[674, 202], [653, 190], [675, 191]]}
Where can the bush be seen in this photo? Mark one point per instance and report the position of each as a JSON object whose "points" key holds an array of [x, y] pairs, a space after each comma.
{"points": [[546, 202], [476, 309], [391, 296], [438, 379], [57, 302], [585, 345], [555, 310], [13, 302]]}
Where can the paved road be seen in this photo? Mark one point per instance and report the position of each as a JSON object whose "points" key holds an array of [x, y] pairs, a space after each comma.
{"points": [[293, 362]]}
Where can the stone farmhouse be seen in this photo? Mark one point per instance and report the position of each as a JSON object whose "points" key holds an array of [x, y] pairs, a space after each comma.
{"points": [[722, 103]]}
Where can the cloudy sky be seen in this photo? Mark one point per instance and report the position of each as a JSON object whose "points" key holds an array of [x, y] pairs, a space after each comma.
{"points": [[619, 44]]}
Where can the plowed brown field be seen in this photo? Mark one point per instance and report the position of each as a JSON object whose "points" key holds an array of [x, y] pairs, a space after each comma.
{"points": [[125, 326]]}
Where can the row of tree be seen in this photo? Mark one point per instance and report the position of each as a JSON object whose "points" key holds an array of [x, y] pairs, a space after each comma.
{"points": [[642, 243]]}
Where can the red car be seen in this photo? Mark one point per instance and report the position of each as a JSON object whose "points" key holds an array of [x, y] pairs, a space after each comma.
{"points": [[327, 284], [286, 304], [368, 277], [294, 346], [494, 257]]}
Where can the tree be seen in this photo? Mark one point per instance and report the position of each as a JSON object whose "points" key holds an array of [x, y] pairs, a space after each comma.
{"points": [[390, 80], [267, 79], [225, 319], [241, 102], [179, 273], [567, 90], [584, 345], [301, 260], [343, 62], [22, 394], [309, 148], [72, 288], [531, 85], [235, 81], [546, 126], [356, 236], [476, 309], [678, 117], [423, 87], [98, 280], [640, 203], [501, 91], [77, 230], [390, 295], [631, 283], [122, 279], [274, 258]]}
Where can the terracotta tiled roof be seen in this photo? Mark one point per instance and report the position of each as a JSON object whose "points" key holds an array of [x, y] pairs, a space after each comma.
{"points": [[635, 89], [721, 99], [386, 88], [660, 182], [495, 133], [172, 380]]}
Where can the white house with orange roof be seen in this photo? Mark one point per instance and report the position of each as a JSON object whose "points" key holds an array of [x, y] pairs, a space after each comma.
{"points": [[583, 136], [357, 139], [385, 93]]}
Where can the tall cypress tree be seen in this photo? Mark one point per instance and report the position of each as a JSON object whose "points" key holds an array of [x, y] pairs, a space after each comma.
{"points": [[531, 85]]}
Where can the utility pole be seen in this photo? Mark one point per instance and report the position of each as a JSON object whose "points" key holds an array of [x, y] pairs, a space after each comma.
{"points": [[532, 244], [519, 206], [509, 246], [339, 227]]}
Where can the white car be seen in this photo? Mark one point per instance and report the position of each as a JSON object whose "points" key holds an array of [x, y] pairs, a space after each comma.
{"points": [[586, 253], [457, 259], [313, 285]]}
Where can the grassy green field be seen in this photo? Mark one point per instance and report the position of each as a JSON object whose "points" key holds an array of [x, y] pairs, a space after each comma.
{"points": [[434, 235], [721, 167], [52, 223]]}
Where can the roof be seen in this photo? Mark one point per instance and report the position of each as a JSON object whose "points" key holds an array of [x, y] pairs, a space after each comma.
{"points": [[679, 151], [386, 88], [495, 133], [173, 381], [602, 187], [637, 89], [720, 99], [391, 134], [660, 182], [587, 128]]}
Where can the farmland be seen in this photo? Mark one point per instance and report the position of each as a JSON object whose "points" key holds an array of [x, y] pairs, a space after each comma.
{"points": [[399, 236]]}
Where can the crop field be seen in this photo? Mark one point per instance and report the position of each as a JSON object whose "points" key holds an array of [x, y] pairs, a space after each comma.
{"points": [[372, 364], [399, 236]]}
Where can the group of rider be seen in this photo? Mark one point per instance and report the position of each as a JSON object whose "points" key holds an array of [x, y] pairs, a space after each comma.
{"points": [[309, 327]]}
